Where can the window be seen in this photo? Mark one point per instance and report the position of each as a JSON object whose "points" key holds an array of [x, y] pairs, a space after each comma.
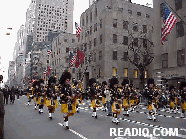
{"points": [[101, 23], [136, 42], [125, 24], [90, 45], [146, 75], [135, 26], [161, 9], [147, 15], [125, 56], [67, 50], [144, 28], [125, 40], [179, 29], [130, 11], [96, 12], [115, 23], [100, 39], [100, 55], [125, 72], [90, 30], [114, 71], [139, 13], [94, 42], [114, 38], [67, 60], [82, 22], [73, 70], [114, 55], [90, 16], [135, 58], [95, 27], [181, 57], [65, 40], [135, 73], [99, 72], [164, 58], [145, 43], [178, 4], [87, 19], [73, 40], [94, 73], [94, 57]]}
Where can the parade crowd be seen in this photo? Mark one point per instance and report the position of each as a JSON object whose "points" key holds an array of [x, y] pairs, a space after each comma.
{"points": [[111, 96]]}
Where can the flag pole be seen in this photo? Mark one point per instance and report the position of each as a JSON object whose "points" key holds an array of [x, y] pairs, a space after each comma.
{"points": [[175, 13]]}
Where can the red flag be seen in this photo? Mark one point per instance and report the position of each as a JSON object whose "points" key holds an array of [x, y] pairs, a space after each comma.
{"points": [[80, 57], [48, 70]]}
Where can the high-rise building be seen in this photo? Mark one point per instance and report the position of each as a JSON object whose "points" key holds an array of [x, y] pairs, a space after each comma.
{"points": [[49, 15]]}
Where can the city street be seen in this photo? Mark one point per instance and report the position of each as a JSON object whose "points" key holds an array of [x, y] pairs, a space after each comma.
{"points": [[23, 122]]}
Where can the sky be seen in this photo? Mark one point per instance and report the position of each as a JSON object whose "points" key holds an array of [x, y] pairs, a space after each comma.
{"points": [[13, 13]]}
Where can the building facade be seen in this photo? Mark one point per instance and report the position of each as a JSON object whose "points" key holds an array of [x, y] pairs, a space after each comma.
{"points": [[48, 15], [105, 39], [169, 63]]}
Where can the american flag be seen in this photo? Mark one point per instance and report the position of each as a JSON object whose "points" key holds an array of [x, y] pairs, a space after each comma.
{"points": [[48, 52], [72, 59], [169, 20], [78, 30]]}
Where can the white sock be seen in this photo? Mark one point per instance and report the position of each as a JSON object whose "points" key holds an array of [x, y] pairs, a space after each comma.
{"points": [[50, 114], [66, 123]]}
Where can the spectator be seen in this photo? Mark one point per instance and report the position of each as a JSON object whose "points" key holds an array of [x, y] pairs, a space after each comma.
{"points": [[2, 112], [12, 95]]}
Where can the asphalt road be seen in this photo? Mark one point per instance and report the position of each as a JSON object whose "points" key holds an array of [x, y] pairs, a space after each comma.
{"points": [[23, 122]]}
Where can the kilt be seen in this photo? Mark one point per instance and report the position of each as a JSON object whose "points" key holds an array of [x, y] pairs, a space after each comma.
{"points": [[103, 100], [116, 107], [44, 100], [149, 107], [125, 103], [34, 99], [94, 105], [27, 95], [183, 106], [64, 109], [131, 102], [135, 101], [56, 105], [38, 100], [172, 104]]}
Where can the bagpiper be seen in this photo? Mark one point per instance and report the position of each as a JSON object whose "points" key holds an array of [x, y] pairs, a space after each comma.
{"points": [[94, 96], [116, 103], [67, 98], [173, 99], [125, 96], [152, 96], [41, 95], [183, 98], [29, 93], [35, 92]]}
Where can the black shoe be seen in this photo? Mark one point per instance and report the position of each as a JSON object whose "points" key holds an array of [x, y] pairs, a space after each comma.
{"points": [[77, 111], [50, 118], [39, 112], [96, 117], [109, 114], [67, 127]]}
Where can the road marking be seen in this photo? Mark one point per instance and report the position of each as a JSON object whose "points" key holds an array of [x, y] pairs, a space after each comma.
{"points": [[74, 132]]}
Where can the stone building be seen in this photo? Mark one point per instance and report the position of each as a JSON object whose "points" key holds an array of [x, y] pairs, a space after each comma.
{"points": [[61, 46], [104, 39], [169, 62]]}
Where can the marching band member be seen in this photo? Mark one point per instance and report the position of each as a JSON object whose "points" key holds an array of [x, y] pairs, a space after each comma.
{"points": [[183, 97], [94, 96], [78, 95], [173, 99], [103, 89], [126, 94], [51, 101], [29, 93], [132, 98], [115, 99], [36, 91], [41, 94], [67, 99]]}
